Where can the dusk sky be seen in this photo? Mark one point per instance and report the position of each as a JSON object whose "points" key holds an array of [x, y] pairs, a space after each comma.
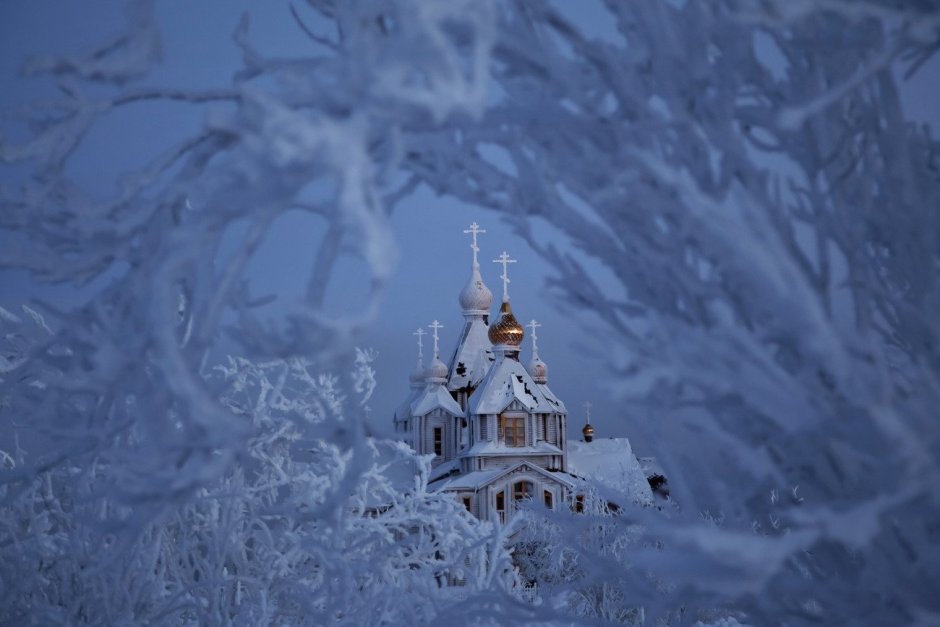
{"points": [[434, 253]]}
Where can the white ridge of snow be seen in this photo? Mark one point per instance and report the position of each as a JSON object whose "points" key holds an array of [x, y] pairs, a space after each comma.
{"points": [[432, 397], [507, 381], [611, 463]]}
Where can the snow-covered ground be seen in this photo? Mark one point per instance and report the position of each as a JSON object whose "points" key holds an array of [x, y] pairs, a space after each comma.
{"points": [[611, 463]]}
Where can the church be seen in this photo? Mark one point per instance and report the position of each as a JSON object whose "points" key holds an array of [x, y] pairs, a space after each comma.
{"points": [[495, 429]]}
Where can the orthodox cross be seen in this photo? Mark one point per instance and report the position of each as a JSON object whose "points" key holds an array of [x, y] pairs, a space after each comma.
{"points": [[420, 333], [474, 230], [436, 325], [587, 411], [534, 325], [505, 260]]}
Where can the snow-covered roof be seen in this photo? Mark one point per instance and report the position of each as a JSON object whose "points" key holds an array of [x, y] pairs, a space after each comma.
{"points": [[611, 463], [481, 478], [554, 401], [403, 412], [445, 468], [472, 357], [500, 448], [506, 381], [432, 397]]}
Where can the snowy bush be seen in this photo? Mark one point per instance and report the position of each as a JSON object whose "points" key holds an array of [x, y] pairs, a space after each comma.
{"points": [[743, 170]]}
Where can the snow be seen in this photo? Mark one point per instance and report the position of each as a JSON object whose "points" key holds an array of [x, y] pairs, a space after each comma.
{"points": [[611, 463], [507, 381], [481, 478], [499, 448], [551, 398], [472, 357], [434, 396]]}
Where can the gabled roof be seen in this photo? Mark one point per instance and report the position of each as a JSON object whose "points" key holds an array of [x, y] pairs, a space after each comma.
{"points": [[403, 412], [482, 478], [432, 397], [499, 449], [554, 401], [506, 381], [472, 357]]}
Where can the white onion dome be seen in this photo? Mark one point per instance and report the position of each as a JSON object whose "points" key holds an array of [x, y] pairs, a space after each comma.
{"points": [[437, 371], [475, 296], [538, 370], [506, 330], [417, 377]]}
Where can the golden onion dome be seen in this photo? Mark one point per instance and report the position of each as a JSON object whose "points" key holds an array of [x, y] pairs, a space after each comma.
{"points": [[587, 430], [506, 329]]}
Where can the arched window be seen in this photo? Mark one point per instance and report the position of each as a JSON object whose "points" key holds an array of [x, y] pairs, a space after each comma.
{"points": [[522, 490]]}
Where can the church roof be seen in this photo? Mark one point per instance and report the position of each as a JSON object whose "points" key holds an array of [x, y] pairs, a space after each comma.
{"points": [[481, 478], [506, 381], [473, 356], [432, 397], [553, 400], [403, 412], [496, 449], [611, 463]]}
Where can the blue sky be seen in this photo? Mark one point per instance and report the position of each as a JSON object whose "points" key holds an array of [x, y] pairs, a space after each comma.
{"points": [[435, 254]]}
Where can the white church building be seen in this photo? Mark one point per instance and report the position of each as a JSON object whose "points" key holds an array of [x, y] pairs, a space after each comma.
{"points": [[495, 429]]}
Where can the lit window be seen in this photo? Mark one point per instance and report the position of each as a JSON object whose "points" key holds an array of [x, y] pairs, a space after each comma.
{"points": [[512, 430], [522, 490], [438, 440]]}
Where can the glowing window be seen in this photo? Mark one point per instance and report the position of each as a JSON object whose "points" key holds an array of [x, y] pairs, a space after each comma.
{"points": [[512, 430], [522, 490]]}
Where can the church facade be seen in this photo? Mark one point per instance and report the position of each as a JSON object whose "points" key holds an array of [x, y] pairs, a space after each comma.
{"points": [[496, 431]]}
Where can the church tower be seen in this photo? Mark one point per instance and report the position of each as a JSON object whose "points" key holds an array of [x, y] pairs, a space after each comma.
{"points": [[496, 432], [473, 355]]}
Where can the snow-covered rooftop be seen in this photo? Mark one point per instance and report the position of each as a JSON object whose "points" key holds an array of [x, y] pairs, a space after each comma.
{"points": [[472, 357], [432, 397], [500, 448], [506, 381], [611, 463]]}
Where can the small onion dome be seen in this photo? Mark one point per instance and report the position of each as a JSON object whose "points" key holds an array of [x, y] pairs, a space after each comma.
{"points": [[417, 376], [437, 371], [506, 329], [475, 296], [588, 432], [538, 370]]}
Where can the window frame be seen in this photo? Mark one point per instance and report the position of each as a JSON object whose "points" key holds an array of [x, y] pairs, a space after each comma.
{"points": [[438, 440], [514, 425], [522, 489]]}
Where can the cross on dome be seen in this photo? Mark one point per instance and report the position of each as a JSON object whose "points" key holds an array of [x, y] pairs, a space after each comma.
{"points": [[420, 333], [436, 326], [535, 346], [474, 230], [587, 411], [505, 260]]}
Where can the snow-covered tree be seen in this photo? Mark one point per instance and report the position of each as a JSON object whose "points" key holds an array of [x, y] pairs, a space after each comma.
{"points": [[746, 175], [743, 170]]}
